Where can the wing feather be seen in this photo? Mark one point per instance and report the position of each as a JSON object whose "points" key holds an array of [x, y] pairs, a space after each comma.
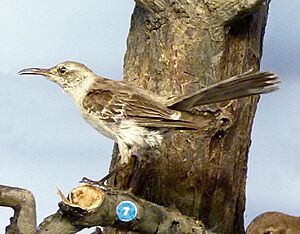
{"points": [[144, 111]]}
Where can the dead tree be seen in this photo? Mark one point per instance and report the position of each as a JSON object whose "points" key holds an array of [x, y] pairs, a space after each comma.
{"points": [[175, 47], [196, 181]]}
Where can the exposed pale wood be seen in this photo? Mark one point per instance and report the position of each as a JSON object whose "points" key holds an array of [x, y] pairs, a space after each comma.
{"points": [[175, 47], [89, 206]]}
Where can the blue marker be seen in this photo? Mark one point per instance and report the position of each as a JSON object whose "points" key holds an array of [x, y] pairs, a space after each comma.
{"points": [[126, 211]]}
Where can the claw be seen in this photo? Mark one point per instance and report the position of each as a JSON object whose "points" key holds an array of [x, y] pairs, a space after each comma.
{"points": [[92, 182], [101, 182]]}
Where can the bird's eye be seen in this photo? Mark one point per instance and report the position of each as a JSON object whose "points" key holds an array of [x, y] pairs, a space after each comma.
{"points": [[62, 70]]}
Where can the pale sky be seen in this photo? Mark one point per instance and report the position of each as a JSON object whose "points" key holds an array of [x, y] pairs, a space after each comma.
{"points": [[44, 143]]}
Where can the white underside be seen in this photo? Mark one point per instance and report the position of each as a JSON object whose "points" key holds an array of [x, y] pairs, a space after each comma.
{"points": [[132, 134], [125, 132]]}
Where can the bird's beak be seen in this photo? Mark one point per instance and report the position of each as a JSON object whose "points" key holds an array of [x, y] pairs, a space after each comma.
{"points": [[34, 71]]}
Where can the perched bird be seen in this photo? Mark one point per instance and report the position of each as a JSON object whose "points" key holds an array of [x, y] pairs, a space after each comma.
{"points": [[274, 223], [136, 118]]}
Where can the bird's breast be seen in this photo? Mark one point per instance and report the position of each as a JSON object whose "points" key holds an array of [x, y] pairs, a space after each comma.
{"points": [[103, 127]]}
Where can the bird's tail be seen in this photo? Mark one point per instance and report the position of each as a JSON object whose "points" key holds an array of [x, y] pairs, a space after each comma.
{"points": [[239, 86]]}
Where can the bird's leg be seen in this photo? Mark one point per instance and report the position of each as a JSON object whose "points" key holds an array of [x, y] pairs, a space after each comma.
{"points": [[124, 162], [125, 153], [102, 181]]}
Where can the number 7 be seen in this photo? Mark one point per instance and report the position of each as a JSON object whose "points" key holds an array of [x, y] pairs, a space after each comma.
{"points": [[126, 210]]}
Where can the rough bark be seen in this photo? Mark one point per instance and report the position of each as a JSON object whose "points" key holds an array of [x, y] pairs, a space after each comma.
{"points": [[88, 206], [274, 222], [175, 47]]}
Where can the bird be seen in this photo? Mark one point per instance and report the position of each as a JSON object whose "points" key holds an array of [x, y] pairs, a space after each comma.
{"points": [[273, 222], [135, 117]]}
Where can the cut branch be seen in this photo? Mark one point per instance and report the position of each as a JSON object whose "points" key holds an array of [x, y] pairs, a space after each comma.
{"points": [[88, 206], [23, 203]]}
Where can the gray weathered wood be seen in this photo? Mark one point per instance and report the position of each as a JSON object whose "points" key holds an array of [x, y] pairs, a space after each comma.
{"points": [[23, 204]]}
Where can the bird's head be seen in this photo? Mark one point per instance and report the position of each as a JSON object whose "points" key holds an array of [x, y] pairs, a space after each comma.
{"points": [[68, 75]]}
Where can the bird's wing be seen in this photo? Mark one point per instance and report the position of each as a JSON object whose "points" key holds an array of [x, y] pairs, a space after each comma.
{"points": [[243, 85], [115, 106]]}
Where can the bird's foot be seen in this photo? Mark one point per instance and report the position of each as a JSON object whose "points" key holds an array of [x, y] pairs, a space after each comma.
{"points": [[101, 182]]}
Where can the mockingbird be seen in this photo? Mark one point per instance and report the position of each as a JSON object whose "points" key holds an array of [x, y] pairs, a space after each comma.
{"points": [[136, 118]]}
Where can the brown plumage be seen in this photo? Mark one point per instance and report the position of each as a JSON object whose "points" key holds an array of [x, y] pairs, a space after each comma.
{"points": [[239, 86], [136, 118]]}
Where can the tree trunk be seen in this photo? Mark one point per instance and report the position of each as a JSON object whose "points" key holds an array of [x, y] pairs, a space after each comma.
{"points": [[175, 47]]}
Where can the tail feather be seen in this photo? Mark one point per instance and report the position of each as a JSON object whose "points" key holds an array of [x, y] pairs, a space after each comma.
{"points": [[239, 86]]}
